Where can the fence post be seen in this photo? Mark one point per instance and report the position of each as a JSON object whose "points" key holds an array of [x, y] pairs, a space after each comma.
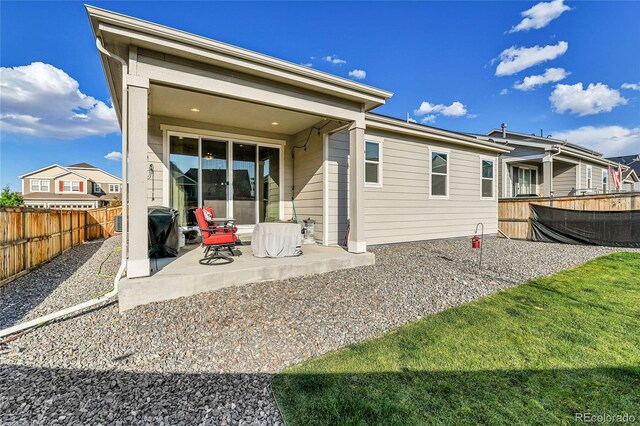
{"points": [[25, 251]]}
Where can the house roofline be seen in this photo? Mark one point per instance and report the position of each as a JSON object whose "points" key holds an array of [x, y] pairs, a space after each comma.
{"points": [[39, 170], [98, 169], [383, 122], [568, 149], [557, 141], [136, 25], [70, 170]]}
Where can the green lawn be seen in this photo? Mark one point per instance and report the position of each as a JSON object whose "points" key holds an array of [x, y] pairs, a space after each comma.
{"points": [[534, 354]]}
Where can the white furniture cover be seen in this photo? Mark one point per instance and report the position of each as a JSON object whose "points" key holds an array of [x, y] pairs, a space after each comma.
{"points": [[276, 240]]}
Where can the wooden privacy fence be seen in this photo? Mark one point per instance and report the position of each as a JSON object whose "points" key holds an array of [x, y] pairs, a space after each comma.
{"points": [[30, 237], [514, 213]]}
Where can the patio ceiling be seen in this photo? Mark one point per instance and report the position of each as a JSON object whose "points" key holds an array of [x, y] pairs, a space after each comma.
{"points": [[180, 103]]}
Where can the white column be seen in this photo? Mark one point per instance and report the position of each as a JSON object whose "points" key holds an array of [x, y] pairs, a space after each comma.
{"points": [[356, 243], [138, 263]]}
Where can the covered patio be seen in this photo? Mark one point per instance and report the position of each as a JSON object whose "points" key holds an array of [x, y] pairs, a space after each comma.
{"points": [[184, 276], [206, 124]]}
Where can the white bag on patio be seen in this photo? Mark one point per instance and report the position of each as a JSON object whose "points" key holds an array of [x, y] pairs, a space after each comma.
{"points": [[276, 240]]}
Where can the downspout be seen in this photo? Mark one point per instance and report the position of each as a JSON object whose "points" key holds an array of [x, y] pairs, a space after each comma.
{"points": [[113, 292], [551, 165]]}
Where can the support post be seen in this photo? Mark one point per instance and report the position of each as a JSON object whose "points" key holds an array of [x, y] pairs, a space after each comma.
{"points": [[138, 264], [356, 243]]}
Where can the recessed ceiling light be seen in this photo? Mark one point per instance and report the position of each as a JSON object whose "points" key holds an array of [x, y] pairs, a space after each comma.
{"points": [[195, 110], [275, 123]]}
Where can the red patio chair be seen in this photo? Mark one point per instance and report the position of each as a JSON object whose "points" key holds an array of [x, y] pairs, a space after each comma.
{"points": [[217, 229], [214, 241]]}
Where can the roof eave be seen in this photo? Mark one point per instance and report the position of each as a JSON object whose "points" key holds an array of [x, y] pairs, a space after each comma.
{"points": [[391, 124], [98, 16]]}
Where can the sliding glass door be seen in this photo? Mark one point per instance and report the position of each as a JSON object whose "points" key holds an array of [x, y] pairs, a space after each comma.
{"points": [[214, 175], [237, 179], [525, 181], [244, 183], [269, 184], [184, 175]]}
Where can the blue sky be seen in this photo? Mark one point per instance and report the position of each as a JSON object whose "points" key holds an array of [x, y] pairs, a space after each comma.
{"points": [[450, 64]]}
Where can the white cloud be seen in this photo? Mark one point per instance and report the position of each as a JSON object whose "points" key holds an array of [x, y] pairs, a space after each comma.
{"points": [[456, 109], [308, 64], [596, 98], [609, 140], [631, 86], [515, 59], [42, 100], [504, 92], [432, 111], [114, 155], [334, 60], [540, 15], [358, 74], [551, 75]]}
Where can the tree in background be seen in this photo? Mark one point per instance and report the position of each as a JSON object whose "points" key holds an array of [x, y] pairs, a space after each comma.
{"points": [[10, 199], [115, 202]]}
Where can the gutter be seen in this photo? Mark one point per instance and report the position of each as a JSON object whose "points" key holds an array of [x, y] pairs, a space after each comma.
{"points": [[400, 126], [559, 148], [123, 263]]}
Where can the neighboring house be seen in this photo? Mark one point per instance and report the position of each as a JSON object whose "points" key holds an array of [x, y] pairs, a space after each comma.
{"points": [[79, 186], [259, 138], [548, 167], [631, 177]]}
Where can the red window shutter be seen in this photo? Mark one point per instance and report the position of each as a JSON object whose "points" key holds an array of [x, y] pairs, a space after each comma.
{"points": [[61, 186], [81, 185]]}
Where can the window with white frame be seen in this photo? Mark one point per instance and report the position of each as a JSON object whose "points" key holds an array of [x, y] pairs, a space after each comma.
{"points": [[97, 189], [487, 178], [589, 177], [39, 185], [605, 181], [114, 187], [71, 186], [439, 174], [372, 164]]}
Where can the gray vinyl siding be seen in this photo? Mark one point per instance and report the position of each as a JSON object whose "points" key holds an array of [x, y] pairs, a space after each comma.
{"points": [[308, 178], [338, 175], [597, 176], [564, 178], [401, 210]]}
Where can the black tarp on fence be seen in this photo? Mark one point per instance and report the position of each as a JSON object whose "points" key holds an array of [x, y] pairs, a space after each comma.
{"points": [[601, 228]]}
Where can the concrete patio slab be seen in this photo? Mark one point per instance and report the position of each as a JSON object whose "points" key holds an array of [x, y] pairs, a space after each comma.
{"points": [[184, 276]]}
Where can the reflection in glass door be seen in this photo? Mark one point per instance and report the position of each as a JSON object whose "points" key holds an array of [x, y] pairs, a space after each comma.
{"points": [[244, 183], [214, 176], [202, 170], [183, 167], [269, 184]]}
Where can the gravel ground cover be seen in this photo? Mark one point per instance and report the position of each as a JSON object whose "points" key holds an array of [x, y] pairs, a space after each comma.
{"points": [[208, 359]]}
